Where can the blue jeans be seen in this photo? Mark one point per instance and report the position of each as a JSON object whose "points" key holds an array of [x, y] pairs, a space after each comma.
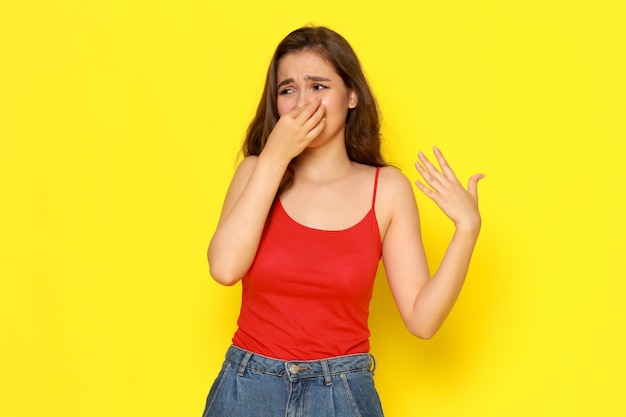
{"points": [[251, 385]]}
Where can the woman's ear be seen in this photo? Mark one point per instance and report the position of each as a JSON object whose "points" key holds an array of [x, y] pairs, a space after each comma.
{"points": [[353, 100]]}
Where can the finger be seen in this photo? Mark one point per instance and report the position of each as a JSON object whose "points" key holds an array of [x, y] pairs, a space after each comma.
{"points": [[315, 118], [435, 187], [445, 167], [295, 112], [316, 130], [299, 110], [433, 175], [430, 193], [423, 172], [472, 184], [309, 109]]}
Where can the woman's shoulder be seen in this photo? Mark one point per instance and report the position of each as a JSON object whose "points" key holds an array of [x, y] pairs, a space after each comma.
{"points": [[395, 192], [392, 181], [248, 162], [246, 166], [242, 175], [395, 197], [387, 173]]}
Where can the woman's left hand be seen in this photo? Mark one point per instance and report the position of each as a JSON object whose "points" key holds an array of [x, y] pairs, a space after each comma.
{"points": [[458, 203]]}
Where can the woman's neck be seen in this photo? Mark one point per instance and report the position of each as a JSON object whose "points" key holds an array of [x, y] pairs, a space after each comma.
{"points": [[322, 165]]}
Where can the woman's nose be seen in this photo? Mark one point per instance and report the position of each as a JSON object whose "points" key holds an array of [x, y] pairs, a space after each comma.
{"points": [[304, 98]]}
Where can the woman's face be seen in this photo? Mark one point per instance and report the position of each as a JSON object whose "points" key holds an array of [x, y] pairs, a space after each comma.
{"points": [[304, 76]]}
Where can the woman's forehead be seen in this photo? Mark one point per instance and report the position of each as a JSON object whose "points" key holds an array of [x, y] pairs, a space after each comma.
{"points": [[304, 62]]}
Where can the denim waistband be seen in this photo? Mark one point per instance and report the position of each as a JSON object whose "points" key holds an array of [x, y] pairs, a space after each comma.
{"points": [[298, 369]]}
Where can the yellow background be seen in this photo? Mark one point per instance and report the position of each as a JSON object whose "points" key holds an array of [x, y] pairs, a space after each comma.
{"points": [[120, 123]]}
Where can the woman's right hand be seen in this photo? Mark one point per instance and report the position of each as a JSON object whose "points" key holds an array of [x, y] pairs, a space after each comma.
{"points": [[295, 130], [253, 189]]}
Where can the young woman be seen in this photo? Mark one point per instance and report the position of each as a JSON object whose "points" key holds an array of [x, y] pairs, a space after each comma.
{"points": [[310, 212]]}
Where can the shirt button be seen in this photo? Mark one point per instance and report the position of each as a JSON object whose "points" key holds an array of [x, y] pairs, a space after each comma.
{"points": [[294, 368]]}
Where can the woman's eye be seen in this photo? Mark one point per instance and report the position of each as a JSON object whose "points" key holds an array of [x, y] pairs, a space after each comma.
{"points": [[319, 87], [286, 91]]}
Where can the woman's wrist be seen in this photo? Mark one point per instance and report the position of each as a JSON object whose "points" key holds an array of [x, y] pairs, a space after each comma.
{"points": [[469, 228]]}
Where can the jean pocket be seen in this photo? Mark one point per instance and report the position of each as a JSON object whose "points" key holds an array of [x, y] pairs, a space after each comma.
{"points": [[215, 389], [362, 394]]}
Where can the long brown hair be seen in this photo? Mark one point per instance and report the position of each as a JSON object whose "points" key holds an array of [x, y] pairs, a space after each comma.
{"points": [[362, 123]]}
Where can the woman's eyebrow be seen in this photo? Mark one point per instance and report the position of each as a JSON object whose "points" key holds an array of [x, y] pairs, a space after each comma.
{"points": [[285, 81], [308, 78], [316, 78]]}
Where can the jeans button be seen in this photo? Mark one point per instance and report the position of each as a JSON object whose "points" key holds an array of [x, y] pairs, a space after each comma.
{"points": [[294, 368]]}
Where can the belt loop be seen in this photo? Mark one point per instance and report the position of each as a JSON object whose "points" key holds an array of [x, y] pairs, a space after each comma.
{"points": [[326, 370], [373, 365], [244, 362]]}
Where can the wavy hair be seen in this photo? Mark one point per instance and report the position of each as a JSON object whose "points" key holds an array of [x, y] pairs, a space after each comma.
{"points": [[362, 134]]}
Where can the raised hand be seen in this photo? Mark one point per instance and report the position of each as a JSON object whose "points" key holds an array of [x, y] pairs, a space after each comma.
{"points": [[443, 187], [296, 129]]}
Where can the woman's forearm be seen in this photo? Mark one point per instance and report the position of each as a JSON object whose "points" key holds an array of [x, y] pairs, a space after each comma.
{"points": [[236, 239], [436, 299]]}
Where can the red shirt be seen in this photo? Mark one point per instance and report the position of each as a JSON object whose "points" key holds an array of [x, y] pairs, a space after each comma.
{"points": [[307, 294]]}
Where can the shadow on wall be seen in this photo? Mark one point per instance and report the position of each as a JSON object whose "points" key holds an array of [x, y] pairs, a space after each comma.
{"points": [[460, 345]]}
